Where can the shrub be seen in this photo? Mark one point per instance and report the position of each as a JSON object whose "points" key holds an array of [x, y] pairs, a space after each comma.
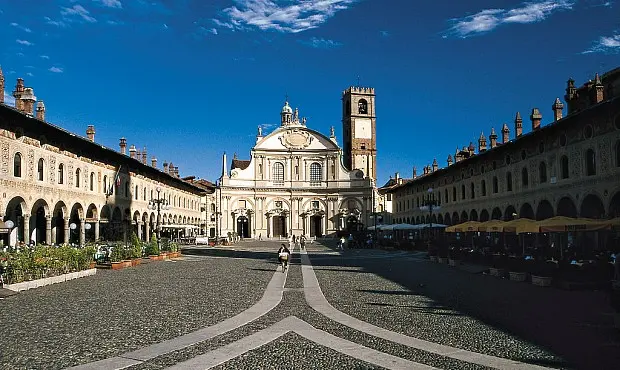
{"points": [[151, 247], [136, 246]]}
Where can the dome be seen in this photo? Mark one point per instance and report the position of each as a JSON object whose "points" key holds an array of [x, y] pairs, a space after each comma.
{"points": [[286, 108]]}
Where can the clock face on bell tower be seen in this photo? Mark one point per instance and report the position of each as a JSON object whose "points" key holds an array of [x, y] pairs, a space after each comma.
{"points": [[359, 129]]}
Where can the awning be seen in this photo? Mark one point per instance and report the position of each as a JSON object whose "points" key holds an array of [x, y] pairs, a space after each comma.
{"points": [[561, 223], [464, 227], [521, 225], [492, 226]]}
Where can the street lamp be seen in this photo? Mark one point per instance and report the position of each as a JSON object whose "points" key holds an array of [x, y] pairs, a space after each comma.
{"points": [[158, 204], [429, 203]]}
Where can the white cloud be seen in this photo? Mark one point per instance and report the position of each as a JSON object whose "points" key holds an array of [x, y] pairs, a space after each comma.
{"points": [[52, 22], [281, 15], [25, 29], [111, 3], [321, 43], [488, 19], [56, 70], [44, 57], [29, 74], [605, 44], [166, 26], [80, 11], [384, 33], [8, 99], [24, 42], [213, 31]]}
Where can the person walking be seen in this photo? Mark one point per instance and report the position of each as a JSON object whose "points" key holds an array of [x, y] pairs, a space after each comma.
{"points": [[302, 242], [341, 243], [283, 256]]}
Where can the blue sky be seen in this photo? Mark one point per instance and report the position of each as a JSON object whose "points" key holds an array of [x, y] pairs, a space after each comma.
{"points": [[190, 79]]}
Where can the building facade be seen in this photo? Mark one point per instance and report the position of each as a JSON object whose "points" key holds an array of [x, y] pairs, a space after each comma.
{"points": [[59, 187], [297, 180], [570, 167]]}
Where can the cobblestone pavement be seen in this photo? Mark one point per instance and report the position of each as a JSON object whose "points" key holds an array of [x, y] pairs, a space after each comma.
{"points": [[384, 309]]}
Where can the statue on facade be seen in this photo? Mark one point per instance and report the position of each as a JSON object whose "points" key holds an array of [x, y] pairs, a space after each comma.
{"points": [[260, 131]]}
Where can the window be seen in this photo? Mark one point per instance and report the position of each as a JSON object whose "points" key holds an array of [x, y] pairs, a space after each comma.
{"points": [[588, 131], [61, 174], [151, 194], [563, 140], [507, 159], [462, 191], [212, 207], [127, 189], [524, 177], [618, 153], [260, 169], [617, 122], [494, 165], [242, 204], [483, 188], [135, 196], [389, 197], [105, 184], [472, 190], [315, 173], [495, 185], [523, 154], [362, 106], [77, 178], [315, 204], [590, 163], [17, 165], [278, 173], [454, 193], [446, 195], [144, 194], [542, 172], [508, 181], [564, 167], [92, 181], [40, 169], [541, 147]]}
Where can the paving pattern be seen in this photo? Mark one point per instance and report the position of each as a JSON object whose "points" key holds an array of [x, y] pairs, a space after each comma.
{"points": [[357, 309]]}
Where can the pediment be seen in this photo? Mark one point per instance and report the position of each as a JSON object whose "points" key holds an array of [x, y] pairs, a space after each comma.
{"points": [[295, 138]]}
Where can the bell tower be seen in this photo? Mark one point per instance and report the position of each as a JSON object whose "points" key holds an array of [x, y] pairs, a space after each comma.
{"points": [[359, 130]]}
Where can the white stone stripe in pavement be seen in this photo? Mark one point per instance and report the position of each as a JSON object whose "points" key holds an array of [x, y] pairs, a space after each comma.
{"points": [[271, 298], [315, 298], [294, 324]]}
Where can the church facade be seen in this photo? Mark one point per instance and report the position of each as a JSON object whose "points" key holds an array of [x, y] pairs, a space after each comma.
{"points": [[299, 181]]}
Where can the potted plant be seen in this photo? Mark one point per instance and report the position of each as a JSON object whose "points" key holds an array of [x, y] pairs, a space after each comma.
{"points": [[152, 250], [498, 266], [174, 250], [516, 269], [543, 272], [116, 257], [136, 250]]}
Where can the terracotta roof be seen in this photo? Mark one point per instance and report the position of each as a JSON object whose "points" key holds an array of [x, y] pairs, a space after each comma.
{"points": [[241, 164]]}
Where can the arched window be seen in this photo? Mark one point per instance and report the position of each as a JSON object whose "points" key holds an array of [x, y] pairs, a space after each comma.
{"points": [[135, 196], [213, 207], [105, 184], [454, 193], [144, 194], [445, 193], [463, 191], [315, 173], [151, 194], [590, 163], [564, 167], [278, 173], [40, 169], [495, 185], [362, 106], [127, 189], [77, 177], [618, 153], [483, 188], [525, 177], [542, 172], [508, 181], [17, 165], [61, 173], [92, 181], [472, 189]]}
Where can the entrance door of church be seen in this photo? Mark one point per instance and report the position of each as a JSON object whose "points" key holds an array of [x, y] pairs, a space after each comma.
{"points": [[279, 226], [315, 226], [243, 227]]}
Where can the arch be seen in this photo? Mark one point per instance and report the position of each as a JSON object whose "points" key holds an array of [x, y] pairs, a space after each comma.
{"points": [[408, 221], [564, 173], [347, 203], [440, 219], [496, 214], [544, 210], [592, 207], [277, 174], [61, 174], [38, 224], [447, 219], [316, 172], [614, 205], [76, 214], [117, 215], [484, 215], [308, 204], [590, 162], [542, 172], [40, 169], [417, 220], [17, 164], [362, 106], [473, 215], [495, 185], [566, 207], [427, 219], [454, 193], [472, 188], [455, 218], [58, 222], [463, 191], [92, 213], [510, 213], [434, 218], [483, 188], [526, 211], [464, 216]]}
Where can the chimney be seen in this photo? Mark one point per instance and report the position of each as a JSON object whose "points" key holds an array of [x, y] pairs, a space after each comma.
{"points": [[144, 155], [557, 109], [415, 172], [1, 86], [598, 86], [154, 162], [457, 155], [170, 169], [535, 117], [123, 145], [518, 125], [450, 160], [17, 94], [435, 165], [28, 100], [471, 149], [40, 110], [165, 167], [397, 176], [482, 143], [426, 170], [493, 138], [132, 151], [90, 132], [505, 134]]}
